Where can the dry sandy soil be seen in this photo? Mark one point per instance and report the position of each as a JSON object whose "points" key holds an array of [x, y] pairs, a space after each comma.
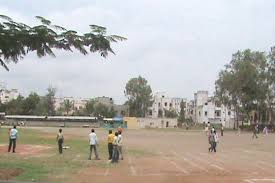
{"points": [[7, 173], [183, 157], [25, 150]]}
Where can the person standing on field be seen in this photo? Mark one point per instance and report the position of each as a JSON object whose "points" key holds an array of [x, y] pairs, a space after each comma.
{"points": [[120, 145], [93, 141], [60, 141], [216, 140], [222, 131], [12, 141], [115, 149], [211, 140], [110, 143], [265, 130], [255, 131]]}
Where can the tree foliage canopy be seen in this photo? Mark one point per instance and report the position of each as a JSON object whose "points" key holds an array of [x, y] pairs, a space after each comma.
{"points": [[181, 118], [139, 95], [67, 105], [17, 39], [246, 82]]}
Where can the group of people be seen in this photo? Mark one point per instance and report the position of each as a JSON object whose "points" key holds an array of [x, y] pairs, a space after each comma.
{"points": [[114, 145], [257, 131]]}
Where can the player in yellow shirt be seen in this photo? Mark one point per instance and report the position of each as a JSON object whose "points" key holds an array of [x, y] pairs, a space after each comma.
{"points": [[110, 143]]}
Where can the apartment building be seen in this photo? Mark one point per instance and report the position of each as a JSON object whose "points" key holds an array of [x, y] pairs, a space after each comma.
{"points": [[205, 109], [8, 95], [161, 103]]}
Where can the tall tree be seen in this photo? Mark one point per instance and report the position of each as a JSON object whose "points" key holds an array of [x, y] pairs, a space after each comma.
{"points": [[243, 83], [111, 112], [271, 84], [15, 106], [41, 107], [30, 103], [90, 107], [101, 110], [170, 113], [18, 39], [67, 105], [50, 101], [181, 118], [139, 95]]}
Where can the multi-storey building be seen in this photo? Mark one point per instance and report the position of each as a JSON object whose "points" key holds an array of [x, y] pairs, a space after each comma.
{"points": [[8, 95], [204, 109], [161, 103], [78, 103]]}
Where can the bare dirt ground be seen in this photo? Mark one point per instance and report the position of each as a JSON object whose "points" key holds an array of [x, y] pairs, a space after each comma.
{"points": [[6, 174], [25, 150], [183, 157]]}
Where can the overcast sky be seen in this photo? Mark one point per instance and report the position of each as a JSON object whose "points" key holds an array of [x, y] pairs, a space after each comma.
{"points": [[179, 46]]}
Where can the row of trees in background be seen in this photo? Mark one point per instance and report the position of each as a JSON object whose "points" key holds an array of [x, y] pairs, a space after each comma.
{"points": [[247, 84], [96, 109], [45, 105], [31, 105]]}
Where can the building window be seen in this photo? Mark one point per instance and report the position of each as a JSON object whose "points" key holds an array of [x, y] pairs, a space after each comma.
{"points": [[192, 112], [199, 113], [229, 113], [159, 104], [206, 103], [165, 104], [218, 113], [170, 104], [205, 113]]}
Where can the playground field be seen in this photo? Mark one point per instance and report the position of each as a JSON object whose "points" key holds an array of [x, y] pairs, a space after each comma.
{"points": [[153, 156]]}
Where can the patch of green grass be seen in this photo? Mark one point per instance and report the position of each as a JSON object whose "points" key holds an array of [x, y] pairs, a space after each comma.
{"points": [[27, 136], [55, 166], [31, 170]]}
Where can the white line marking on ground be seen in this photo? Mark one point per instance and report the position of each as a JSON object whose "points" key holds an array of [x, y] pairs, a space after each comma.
{"points": [[132, 168], [249, 181], [107, 172], [190, 162], [162, 174], [265, 163], [256, 180], [178, 167], [249, 152], [218, 167], [174, 163], [261, 167]]}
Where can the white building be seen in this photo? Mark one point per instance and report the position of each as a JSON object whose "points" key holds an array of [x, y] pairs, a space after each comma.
{"points": [[162, 102], [8, 95], [78, 103], [204, 109]]}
